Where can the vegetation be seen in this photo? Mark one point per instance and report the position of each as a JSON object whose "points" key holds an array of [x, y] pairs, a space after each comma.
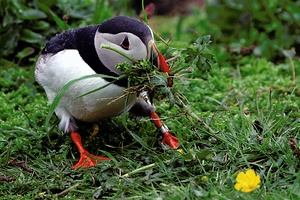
{"points": [[238, 115]]}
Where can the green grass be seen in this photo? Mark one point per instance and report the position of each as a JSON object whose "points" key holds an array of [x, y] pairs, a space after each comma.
{"points": [[232, 101]]}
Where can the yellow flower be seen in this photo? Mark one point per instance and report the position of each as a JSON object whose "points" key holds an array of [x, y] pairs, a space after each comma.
{"points": [[204, 178], [180, 151], [247, 182]]}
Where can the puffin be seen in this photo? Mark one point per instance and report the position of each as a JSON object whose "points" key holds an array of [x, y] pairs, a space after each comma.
{"points": [[78, 52]]}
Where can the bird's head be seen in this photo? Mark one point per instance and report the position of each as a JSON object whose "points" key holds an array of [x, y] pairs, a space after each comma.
{"points": [[131, 37]]}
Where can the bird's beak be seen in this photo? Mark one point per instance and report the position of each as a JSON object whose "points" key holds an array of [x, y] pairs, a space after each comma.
{"points": [[158, 59]]}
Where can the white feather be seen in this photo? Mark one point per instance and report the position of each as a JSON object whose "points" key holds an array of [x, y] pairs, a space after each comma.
{"points": [[54, 71]]}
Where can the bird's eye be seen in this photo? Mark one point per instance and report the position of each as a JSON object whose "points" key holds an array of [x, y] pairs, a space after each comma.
{"points": [[125, 43]]}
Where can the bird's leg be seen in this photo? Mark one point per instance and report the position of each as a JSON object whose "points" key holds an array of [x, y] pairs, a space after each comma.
{"points": [[168, 138], [86, 159]]}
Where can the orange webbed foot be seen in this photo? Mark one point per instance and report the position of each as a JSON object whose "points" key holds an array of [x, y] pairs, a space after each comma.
{"points": [[86, 159], [170, 140]]}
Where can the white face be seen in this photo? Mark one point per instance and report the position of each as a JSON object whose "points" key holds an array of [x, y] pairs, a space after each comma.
{"points": [[127, 43]]}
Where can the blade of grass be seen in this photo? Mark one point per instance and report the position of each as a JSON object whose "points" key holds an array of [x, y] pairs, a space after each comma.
{"points": [[141, 169], [105, 46], [145, 18], [109, 155], [100, 88], [8, 153]]}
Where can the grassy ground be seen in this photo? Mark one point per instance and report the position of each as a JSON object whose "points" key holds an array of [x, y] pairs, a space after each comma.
{"points": [[250, 107]]}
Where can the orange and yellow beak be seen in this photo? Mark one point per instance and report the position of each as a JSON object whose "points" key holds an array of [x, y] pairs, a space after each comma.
{"points": [[159, 60]]}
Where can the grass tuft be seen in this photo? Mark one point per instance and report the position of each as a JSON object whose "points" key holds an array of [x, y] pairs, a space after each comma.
{"points": [[240, 115]]}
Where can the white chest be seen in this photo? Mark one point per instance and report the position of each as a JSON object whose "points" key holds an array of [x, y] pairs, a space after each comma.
{"points": [[54, 72]]}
